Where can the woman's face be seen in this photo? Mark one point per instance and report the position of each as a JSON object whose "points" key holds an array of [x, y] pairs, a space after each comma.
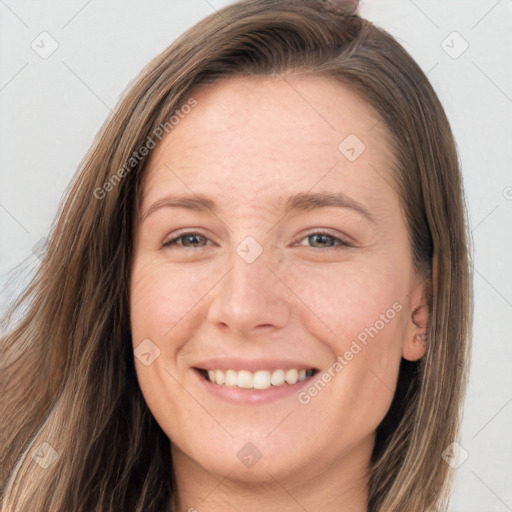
{"points": [[297, 259]]}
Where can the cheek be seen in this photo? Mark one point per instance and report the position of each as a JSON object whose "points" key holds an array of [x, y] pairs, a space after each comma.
{"points": [[164, 301], [363, 309], [362, 301], [164, 297]]}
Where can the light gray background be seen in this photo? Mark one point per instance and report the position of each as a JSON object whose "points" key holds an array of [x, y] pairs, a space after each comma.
{"points": [[51, 108]]}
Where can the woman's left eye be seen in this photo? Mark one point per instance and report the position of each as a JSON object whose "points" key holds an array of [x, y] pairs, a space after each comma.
{"points": [[323, 238], [197, 240]]}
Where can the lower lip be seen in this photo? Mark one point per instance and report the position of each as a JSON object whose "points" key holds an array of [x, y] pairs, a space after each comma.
{"points": [[242, 396]]}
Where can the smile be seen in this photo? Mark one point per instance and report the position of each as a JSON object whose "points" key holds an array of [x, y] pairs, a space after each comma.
{"points": [[261, 379]]}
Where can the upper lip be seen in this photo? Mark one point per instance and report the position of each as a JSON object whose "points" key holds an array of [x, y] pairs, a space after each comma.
{"points": [[252, 365]]}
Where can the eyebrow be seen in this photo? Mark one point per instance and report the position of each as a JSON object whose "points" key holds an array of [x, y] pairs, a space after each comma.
{"points": [[302, 201]]}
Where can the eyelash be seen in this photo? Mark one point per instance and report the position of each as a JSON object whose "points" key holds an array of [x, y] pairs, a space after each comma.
{"points": [[342, 242]]}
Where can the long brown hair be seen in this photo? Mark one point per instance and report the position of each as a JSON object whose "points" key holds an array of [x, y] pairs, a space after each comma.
{"points": [[69, 389]]}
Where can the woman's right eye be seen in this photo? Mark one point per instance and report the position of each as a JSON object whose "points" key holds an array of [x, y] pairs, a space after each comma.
{"points": [[186, 238]]}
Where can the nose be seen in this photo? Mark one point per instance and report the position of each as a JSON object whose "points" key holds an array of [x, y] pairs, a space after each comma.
{"points": [[251, 297]]}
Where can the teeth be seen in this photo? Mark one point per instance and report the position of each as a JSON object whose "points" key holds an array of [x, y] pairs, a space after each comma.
{"points": [[231, 378], [219, 377], [245, 379], [277, 378], [291, 376], [262, 379]]}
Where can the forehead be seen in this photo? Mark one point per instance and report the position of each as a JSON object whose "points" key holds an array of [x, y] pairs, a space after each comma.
{"points": [[251, 137]]}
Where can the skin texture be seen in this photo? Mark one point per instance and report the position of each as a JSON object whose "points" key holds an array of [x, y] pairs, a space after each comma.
{"points": [[248, 145]]}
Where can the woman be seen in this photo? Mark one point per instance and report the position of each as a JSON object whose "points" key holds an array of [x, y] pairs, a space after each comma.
{"points": [[257, 294]]}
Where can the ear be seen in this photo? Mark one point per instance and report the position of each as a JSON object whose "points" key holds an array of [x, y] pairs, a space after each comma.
{"points": [[415, 340]]}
